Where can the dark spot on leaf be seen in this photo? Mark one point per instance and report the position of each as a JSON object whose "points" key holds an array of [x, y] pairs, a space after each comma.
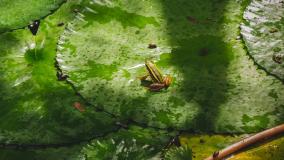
{"points": [[60, 24], [152, 46], [273, 94], [201, 141], [278, 58], [192, 19], [203, 52], [122, 125], [277, 49], [273, 30], [79, 107]]}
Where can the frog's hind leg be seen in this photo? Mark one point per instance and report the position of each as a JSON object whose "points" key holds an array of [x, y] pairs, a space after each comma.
{"points": [[156, 87]]}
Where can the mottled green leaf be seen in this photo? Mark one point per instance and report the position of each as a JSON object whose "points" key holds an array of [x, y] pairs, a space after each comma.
{"points": [[216, 86], [263, 33], [35, 107], [18, 13]]}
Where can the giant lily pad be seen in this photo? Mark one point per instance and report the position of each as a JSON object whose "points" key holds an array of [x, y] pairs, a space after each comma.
{"points": [[35, 107], [263, 32], [216, 87], [17, 13]]}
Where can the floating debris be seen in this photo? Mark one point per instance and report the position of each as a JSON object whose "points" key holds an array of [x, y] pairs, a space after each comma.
{"points": [[34, 27]]}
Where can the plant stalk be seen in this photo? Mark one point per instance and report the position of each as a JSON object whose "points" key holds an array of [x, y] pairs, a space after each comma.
{"points": [[247, 142]]}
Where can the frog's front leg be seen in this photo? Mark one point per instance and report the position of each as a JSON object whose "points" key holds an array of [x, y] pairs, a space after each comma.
{"points": [[155, 87], [143, 78]]}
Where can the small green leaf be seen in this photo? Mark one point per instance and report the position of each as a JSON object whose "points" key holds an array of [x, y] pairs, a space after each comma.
{"points": [[36, 108], [18, 13]]}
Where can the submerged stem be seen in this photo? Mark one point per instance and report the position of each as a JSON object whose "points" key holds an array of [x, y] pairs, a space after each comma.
{"points": [[246, 142]]}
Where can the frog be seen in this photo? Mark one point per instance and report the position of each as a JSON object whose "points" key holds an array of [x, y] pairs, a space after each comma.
{"points": [[158, 81]]}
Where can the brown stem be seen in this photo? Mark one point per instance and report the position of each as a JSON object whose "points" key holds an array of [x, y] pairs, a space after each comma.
{"points": [[246, 142]]}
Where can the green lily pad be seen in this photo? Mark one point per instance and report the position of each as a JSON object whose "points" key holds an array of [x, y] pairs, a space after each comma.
{"points": [[263, 33], [216, 88], [35, 107], [17, 13], [133, 143]]}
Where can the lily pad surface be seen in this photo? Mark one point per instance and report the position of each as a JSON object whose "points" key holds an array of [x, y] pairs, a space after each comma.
{"points": [[263, 33], [18, 13], [216, 87], [36, 108]]}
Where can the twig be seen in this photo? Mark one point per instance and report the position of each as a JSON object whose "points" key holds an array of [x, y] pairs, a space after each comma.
{"points": [[246, 142]]}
